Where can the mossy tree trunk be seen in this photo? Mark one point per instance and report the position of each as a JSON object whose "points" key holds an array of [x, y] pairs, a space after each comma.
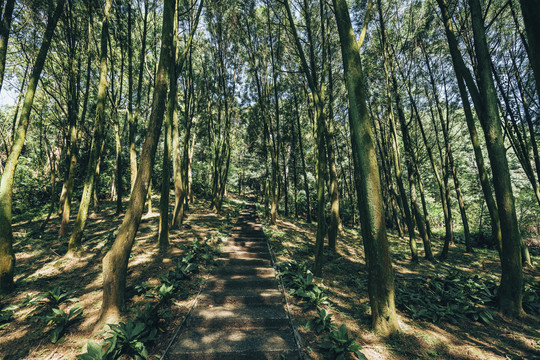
{"points": [[531, 13], [465, 80], [7, 256], [370, 202], [75, 241], [5, 27], [317, 88], [510, 289], [116, 261]]}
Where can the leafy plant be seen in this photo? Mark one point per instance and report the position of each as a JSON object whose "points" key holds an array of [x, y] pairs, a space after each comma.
{"points": [[53, 298], [6, 314], [531, 297], [130, 338], [165, 292], [300, 280], [339, 343], [151, 316], [313, 297], [60, 321], [452, 297], [142, 288], [321, 323], [94, 351]]}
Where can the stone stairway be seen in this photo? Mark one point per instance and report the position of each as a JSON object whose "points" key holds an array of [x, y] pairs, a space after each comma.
{"points": [[240, 313]]}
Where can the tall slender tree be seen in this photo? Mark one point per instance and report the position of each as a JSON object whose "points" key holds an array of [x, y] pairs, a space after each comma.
{"points": [[7, 256], [368, 185]]}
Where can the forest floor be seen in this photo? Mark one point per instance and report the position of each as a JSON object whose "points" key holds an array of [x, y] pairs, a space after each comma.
{"points": [[41, 267], [344, 282]]}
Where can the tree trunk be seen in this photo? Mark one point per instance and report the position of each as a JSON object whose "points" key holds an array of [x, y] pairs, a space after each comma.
{"points": [[7, 256], [303, 159], [116, 261], [335, 220], [464, 78], [531, 14], [368, 186], [5, 27], [510, 289], [74, 245]]}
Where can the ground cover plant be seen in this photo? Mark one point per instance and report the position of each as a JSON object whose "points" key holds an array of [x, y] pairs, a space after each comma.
{"points": [[447, 310]]}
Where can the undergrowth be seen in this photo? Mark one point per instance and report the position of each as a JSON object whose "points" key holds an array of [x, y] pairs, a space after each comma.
{"points": [[132, 337]]}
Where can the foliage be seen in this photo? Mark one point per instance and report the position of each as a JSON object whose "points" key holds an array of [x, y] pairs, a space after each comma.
{"points": [[300, 280], [60, 321], [531, 297], [322, 323], [130, 338], [339, 343], [151, 316], [6, 315], [452, 297], [94, 351], [54, 298]]}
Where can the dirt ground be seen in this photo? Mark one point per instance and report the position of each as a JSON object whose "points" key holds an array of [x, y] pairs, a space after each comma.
{"points": [[41, 266]]}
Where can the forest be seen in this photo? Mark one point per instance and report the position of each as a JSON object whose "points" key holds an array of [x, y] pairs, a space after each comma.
{"points": [[269, 179]]}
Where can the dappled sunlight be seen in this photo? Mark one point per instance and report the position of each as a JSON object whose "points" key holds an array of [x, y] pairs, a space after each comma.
{"points": [[345, 282], [42, 266]]}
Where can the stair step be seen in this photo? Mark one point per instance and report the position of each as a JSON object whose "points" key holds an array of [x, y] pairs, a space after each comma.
{"points": [[239, 317], [261, 297], [254, 282], [245, 254], [234, 344], [244, 270], [248, 243], [254, 249], [243, 262]]}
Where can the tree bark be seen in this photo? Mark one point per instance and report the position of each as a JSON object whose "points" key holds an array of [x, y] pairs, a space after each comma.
{"points": [[116, 261], [75, 244], [7, 256], [5, 27], [510, 289], [531, 13], [370, 202]]}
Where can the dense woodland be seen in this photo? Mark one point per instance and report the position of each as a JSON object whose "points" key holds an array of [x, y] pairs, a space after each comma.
{"points": [[410, 127]]}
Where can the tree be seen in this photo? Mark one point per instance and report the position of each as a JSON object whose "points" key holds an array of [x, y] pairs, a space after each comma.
{"points": [[5, 27], [368, 186], [510, 289], [116, 261], [75, 242], [7, 256]]}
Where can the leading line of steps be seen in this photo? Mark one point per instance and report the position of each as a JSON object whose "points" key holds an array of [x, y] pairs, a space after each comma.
{"points": [[240, 313]]}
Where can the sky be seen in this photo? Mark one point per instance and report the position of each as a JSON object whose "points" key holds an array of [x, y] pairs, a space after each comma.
{"points": [[7, 97]]}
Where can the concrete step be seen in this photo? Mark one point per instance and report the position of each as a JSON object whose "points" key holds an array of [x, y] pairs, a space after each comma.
{"points": [[254, 298], [251, 247], [236, 254], [246, 242], [209, 344], [239, 317], [243, 262], [245, 282], [244, 270]]}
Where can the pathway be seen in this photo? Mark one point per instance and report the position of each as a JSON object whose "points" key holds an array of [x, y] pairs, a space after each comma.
{"points": [[240, 313]]}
